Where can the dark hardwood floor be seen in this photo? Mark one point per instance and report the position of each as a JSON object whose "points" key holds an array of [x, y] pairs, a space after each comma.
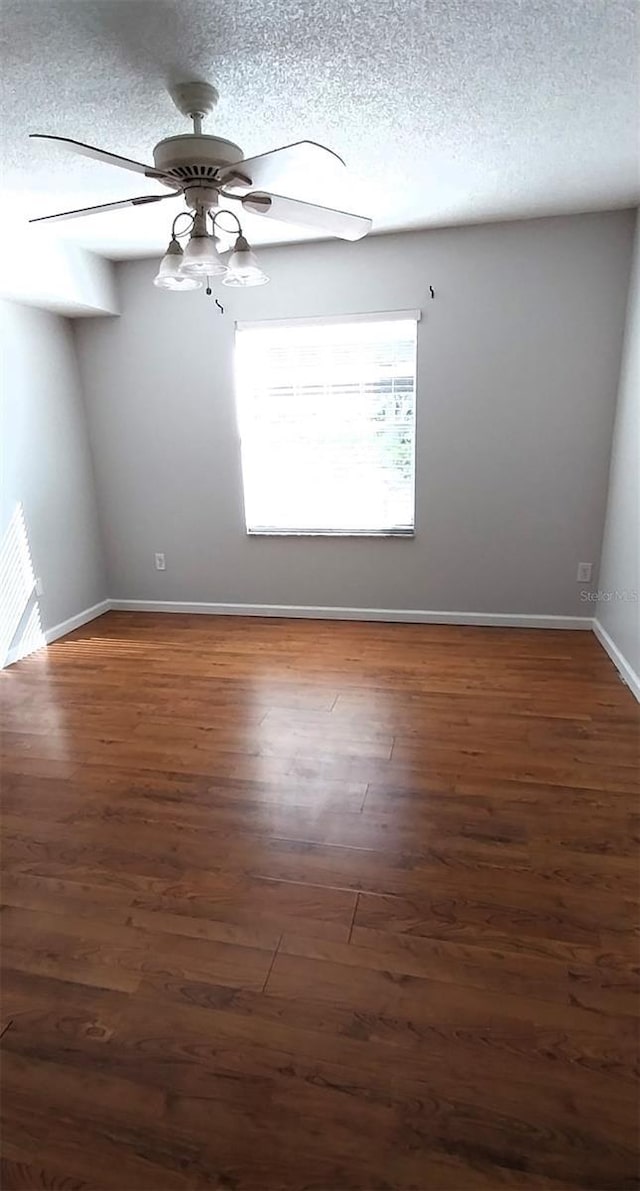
{"points": [[318, 905]]}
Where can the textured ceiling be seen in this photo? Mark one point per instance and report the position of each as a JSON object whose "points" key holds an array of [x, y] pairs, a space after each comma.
{"points": [[446, 111]]}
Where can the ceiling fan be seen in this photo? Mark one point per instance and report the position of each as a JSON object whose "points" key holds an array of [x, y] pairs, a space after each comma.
{"points": [[205, 169]]}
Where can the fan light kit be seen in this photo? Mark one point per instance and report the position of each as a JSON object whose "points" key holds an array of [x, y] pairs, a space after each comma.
{"points": [[200, 260], [205, 169]]}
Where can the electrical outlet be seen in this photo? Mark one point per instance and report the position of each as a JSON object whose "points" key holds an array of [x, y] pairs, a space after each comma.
{"points": [[39, 587], [160, 563], [584, 572]]}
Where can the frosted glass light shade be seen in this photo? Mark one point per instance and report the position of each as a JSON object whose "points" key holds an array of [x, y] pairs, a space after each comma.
{"points": [[201, 258], [243, 268], [169, 275]]}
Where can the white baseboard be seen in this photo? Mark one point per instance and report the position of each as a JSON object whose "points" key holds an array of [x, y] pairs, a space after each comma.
{"points": [[620, 662], [77, 621], [409, 616], [59, 630]]}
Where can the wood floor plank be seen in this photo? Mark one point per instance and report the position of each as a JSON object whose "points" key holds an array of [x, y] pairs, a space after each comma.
{"points": [[544, 915], [46, 943], [319, 905], [542, 978], [431, 1002], [23, 1176]]}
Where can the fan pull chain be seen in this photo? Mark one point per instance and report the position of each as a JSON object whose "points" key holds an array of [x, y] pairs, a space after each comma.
{"points": [[209, 292]]}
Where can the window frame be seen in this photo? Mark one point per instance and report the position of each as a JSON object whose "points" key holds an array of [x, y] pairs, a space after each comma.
{"points": [[328, 320]]}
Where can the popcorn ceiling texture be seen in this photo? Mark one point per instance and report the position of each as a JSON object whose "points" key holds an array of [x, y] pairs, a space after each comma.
{"points": [[446, 111]]}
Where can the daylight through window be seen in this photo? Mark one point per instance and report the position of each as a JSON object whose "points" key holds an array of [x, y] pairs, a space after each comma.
{"points": [[327, 421]]}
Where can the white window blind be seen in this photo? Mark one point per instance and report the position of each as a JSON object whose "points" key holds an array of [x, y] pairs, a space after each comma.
{"points": [[327, 422]]}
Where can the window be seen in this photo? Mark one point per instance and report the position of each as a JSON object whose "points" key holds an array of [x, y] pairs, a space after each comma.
{"points": [[327, 422]]}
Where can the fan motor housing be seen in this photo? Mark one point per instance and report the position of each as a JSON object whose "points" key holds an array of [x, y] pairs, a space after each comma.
{"points": [[193, 159]]}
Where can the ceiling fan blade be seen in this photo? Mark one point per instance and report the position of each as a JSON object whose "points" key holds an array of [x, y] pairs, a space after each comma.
{"points": [[125, 163], [326, 219], [102, 207], [302, 161]]}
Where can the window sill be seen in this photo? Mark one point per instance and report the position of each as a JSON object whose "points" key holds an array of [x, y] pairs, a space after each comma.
{"points": [[330, 533]]}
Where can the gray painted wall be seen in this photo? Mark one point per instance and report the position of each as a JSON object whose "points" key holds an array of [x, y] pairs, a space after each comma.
{"points": [[40, 270], [518, 360], [47, 470], [616, 609]]}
